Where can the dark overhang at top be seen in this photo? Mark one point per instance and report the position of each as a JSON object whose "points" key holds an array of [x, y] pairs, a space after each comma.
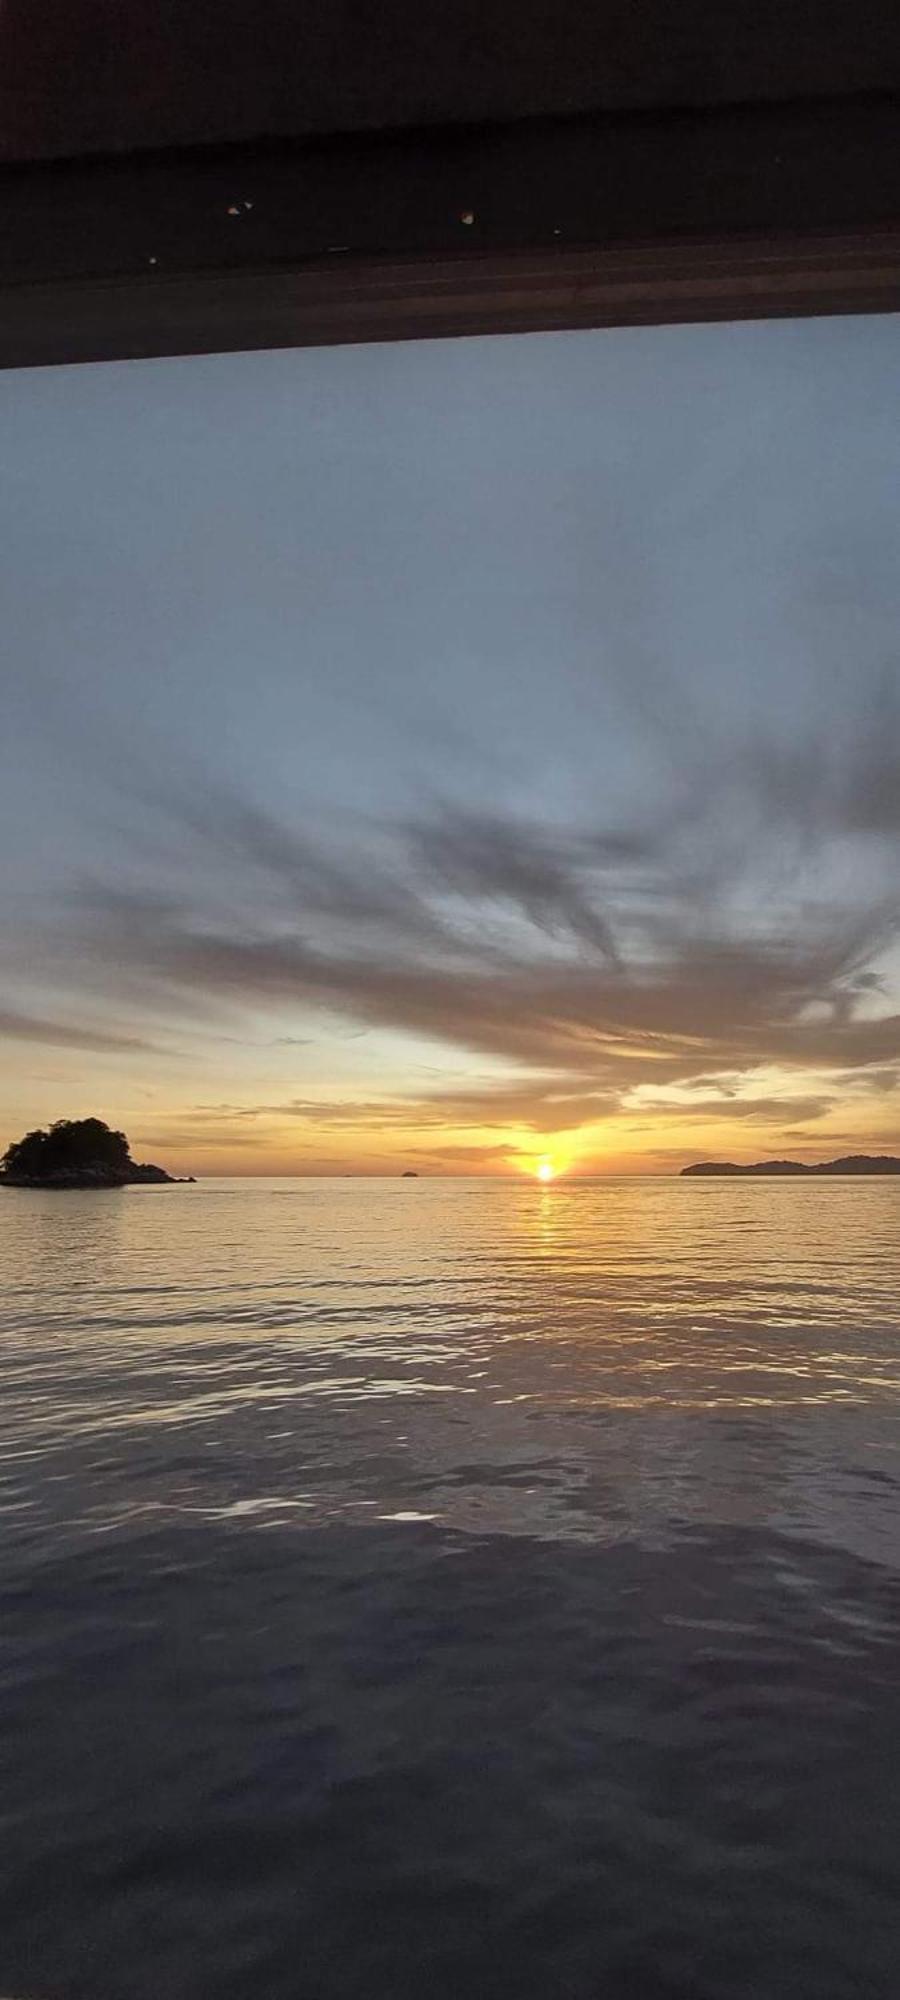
{"points": [[179, 177]]}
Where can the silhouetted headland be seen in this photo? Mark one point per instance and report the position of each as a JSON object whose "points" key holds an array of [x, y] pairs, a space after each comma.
{"points": [[853, 1163], [78, 1153]]}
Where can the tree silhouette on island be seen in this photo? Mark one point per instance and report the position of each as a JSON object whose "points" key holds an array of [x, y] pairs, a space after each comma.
{"points": [[77, 1153]]}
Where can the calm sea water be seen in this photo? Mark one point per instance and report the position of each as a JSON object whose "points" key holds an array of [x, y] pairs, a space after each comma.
{"points": [[419, 1588]]}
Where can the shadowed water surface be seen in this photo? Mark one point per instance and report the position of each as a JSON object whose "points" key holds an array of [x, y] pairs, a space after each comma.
{"points": [[450, 1587]]}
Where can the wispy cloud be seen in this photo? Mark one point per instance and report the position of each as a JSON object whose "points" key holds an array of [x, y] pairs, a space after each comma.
{"points": [[737, 912], [62, 1034], [773, 1111], [586, 960]]}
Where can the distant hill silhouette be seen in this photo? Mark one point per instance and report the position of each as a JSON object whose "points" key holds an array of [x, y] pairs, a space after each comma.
{"points": [[76, 1153], [853, 1163]]}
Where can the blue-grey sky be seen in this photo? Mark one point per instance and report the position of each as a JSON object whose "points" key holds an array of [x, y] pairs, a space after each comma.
{"points": [[466, 751]]}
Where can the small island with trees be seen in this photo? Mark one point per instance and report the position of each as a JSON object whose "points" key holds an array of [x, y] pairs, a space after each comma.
{"points": [[853, 1163], [78, 1153]]}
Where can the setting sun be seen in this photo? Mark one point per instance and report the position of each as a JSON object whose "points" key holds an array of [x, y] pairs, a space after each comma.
{"points": [[545, 1170]]}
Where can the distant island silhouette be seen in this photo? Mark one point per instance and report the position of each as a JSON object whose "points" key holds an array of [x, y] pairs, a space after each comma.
{"points": [[853, 1163], [78, 1153]]}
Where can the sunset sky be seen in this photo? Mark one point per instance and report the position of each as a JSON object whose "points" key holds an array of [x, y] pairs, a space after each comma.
{"points": [[455, 755]]}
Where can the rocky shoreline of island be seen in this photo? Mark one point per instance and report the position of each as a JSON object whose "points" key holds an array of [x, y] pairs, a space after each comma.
{"points": [[94, 1177], [852, 1163]]}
